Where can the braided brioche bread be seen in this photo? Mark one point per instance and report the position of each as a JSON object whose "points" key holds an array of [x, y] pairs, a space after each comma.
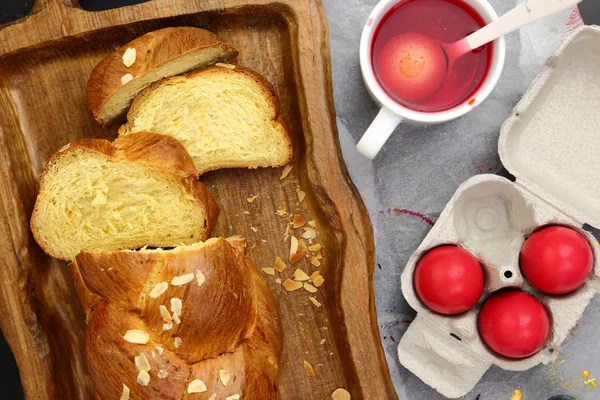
{"points": [[140, 190], [163, 324]]}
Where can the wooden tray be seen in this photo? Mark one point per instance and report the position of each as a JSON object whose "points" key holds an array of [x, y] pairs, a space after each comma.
{"points": [[45, 60]]}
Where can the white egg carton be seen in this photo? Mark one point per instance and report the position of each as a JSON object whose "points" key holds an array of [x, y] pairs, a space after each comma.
{"points": [[551, 143]]}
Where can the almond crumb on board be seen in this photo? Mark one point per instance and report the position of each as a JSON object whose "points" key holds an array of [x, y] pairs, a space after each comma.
{"points": [[125, 394], [340, 394], [129, 56], [254, 229], [291, 285], [177, 341], [310, 234], [200, 278], [286, 234], [314, 301], [286, 171], [309, 369], [315, 261], [282, 213], [126, 79], [322, 341], [196, 386], [298, 221], [312, 223], [269, 271], [310, 288], [136, 336], [251, 198], [278, 281], [182, 279], [279, 265], [143, 378], [300, 275], [253, 246], [300, 194], [263, 240], [246, 212], [159, 289], [317, 279], [162, 374], [224, 377], [142, 363], [315, 247]]}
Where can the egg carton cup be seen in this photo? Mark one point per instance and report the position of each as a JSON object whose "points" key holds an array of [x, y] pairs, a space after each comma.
{"points": [[551, 143]]}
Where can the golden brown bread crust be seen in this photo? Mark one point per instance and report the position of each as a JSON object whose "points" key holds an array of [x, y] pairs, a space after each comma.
{"points": [[160, 152], [153, 49], [267, 88], [121, 303]]}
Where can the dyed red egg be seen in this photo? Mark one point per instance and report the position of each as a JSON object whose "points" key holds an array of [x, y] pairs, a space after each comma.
{"points": [[411, 67], [556, 260], [449, 280], [514, 324]]}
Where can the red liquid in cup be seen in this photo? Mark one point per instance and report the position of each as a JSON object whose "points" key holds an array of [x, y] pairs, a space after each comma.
{"points": [[443, 20]]}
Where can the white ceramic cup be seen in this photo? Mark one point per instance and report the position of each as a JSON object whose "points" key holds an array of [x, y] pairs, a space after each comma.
{"points": [[392, 113]]}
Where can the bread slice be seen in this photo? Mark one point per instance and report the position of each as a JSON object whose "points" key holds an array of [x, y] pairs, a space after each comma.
{"points": [[141, 190], [226, 117], [155, 55]]}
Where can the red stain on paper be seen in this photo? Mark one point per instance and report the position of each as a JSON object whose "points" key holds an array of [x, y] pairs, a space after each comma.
{"points": [[575, 20], [369, 21], [399, 211]]}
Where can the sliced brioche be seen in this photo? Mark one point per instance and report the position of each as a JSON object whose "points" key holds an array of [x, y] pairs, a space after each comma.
{"points": [[139, 190], [119, 77], [225, 117]]}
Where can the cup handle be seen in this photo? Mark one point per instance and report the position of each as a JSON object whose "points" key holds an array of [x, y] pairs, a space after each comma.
{"points": [[378, 133]]}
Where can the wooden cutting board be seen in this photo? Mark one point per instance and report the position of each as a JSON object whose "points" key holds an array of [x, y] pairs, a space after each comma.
{"points": [[45, 60]]}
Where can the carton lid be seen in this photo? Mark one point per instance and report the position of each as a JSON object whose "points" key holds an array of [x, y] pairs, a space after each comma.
{"points": [[551, 142]]}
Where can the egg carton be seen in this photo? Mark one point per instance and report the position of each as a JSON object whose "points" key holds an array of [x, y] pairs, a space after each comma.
{"points": [[551, 144]]}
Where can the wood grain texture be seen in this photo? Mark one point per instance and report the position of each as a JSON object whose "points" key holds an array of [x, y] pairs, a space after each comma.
{"points": [[45, 60]]}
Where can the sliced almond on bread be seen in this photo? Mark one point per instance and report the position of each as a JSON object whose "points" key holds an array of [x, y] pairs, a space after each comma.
{"points": [[140, 190], [147, 59], [225, 118]]}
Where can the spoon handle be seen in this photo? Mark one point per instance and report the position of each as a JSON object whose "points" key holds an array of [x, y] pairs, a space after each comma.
{"points": [[524, 14]]}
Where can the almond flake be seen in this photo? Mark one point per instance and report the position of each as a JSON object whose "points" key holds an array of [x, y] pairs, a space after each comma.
{"points": [[286, 171], [126, 79], [310, 234], [315, 247], [278, 281], [291, 285], [293, 246], [224, 377], [129, 57], [246, 212], [164, 313], [314, 301], [176, 319], [162, 374], [298, 221], [143, 378], [300, 252], [319, 257], [159, 289], [136, 336], [322, 342], [286, 234], [340, 394], [158, 350], [317, 279], [310, 288], [196, 386], [269, 271], [279, 265], [253, 246], [167, 326], [251, 198], [300, 275], [213, 397], [300, 194], [200, 278], [312, 223], [176, 306], [315, 261], [182, 279], [233, 397], [125, 394], [177, 342], [142, 363], [254, 229], [309, 369]]}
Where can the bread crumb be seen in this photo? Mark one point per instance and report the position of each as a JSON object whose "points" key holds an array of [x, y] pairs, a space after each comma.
{"points": [[129, 57], [196, 386], [251, 198], [298, 221], [291, 285], [314, 301], [300, 275], [269, 271], [340, 394], [279, 265], [322, 342], [310, 288], [126, 79], [286, 171], [224, 65], [317, 279], [309, 369]]}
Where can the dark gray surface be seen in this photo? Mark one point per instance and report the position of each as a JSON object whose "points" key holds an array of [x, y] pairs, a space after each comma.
{"points": [[11, 10]]}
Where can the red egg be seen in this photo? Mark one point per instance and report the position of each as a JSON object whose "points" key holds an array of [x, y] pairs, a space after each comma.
{"points": [[449, 280], [514, 324], [411, 67], [556, 260]]}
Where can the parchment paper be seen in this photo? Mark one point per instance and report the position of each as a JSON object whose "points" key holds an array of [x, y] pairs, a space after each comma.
{"points": [[406, 187]]}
